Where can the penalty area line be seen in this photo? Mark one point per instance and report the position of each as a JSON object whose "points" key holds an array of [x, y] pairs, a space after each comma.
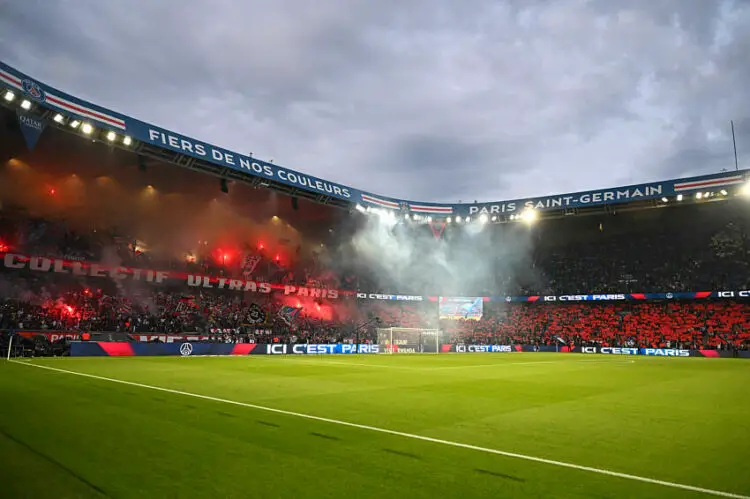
{"points": [[412, 436]]}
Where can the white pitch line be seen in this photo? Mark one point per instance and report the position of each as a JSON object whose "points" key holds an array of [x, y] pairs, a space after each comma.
{"points": [[566, 361], [412, 436]]}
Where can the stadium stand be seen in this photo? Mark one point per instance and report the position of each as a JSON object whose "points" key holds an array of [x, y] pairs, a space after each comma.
{"points": [[84, 201]]}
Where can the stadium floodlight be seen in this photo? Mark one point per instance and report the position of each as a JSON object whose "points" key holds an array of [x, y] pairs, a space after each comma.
{"points": [[87, 128], [25, 104], [483, 218], [9, 96], [664, 200], [406, 216], [529, 215], [468, 219], [359, 208], [494, 218], [127, 141], [723, 192], [58, 118], [679, 197], [698, 195], [448, 220], [75, 124], [459, 220], [745, 189], [111, 136]]}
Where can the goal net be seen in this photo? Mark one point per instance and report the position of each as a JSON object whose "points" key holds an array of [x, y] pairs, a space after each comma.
{"points": [[408, 340]]}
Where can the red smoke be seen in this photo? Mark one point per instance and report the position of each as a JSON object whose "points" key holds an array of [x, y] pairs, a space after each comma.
{"points": [[167, 208]]}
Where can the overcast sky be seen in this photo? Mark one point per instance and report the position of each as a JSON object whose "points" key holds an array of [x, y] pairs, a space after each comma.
{"points": [[432, 100]]}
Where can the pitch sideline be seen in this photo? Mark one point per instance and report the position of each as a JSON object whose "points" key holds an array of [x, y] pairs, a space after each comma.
{"points": [[449, 443]]}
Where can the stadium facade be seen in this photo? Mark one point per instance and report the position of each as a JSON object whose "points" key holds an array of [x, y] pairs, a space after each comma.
{"points": [[43, 105]]}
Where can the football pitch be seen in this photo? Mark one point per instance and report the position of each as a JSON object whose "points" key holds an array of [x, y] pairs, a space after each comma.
{"points": [[418, 426]]}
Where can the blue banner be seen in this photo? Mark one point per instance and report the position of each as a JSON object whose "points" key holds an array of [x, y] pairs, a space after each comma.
{"points": [[71, 106], [31, 128], [614, 297], [664, 352], [192, 349], [316, 349]]}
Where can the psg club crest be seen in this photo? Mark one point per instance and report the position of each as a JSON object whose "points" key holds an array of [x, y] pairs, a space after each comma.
{"points": [[186, 349], [33, 90], [404, 206]]}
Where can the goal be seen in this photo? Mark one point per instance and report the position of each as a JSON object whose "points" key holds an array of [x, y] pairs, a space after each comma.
{"points": [[408, 340]]}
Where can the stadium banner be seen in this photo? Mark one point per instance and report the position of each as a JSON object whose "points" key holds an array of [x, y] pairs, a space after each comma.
{"points": [[378, 296], [131, 349], [194, 348], [662, 352], [169, 338], [607, 350], [316, 349], [465, 348], [51, 98], [32, 128], [50, 336], [696, 295], [19, 262]]}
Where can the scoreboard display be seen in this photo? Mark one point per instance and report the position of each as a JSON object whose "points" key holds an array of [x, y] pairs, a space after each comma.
{"points": [[461, 307]]}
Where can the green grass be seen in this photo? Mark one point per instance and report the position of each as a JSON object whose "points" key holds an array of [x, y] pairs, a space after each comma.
{"points": [[679, 420]]}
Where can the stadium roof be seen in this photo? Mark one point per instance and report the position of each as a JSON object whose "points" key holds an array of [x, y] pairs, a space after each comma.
{"points": [[55, 108]]}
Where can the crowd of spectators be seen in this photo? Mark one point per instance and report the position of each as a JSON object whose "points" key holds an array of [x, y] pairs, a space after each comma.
{"points": [[686, 249], [685, 324]]}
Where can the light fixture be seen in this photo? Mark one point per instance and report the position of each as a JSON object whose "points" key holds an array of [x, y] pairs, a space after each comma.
{"points": [[127, 140], [58, 118], [87, 128], [529, 215], [9, 96], [25, 104], [111, 136], [75, 124]]}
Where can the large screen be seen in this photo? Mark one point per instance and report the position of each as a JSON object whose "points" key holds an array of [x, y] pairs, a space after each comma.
{"points": [[461, 307]]}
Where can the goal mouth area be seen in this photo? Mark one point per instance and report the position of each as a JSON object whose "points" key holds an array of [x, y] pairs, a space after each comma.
{"points": [[408, 340]]}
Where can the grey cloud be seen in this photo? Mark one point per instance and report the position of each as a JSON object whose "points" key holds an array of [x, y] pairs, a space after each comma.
{"points": [[426, 100]]}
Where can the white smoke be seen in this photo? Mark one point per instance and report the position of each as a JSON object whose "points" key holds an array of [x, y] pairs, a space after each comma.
{"points": [[470, 259]]}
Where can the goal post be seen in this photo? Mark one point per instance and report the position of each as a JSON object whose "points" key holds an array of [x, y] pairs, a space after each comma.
{"points": [[408, 340]]}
